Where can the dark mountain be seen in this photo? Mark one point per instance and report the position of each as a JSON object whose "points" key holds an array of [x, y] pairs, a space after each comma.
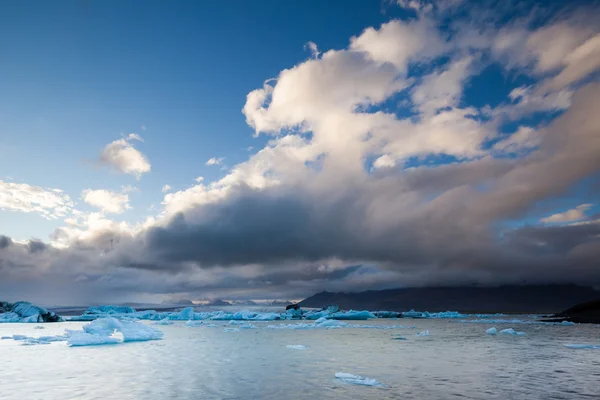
{"points": [[508, 299], [582, 313]]}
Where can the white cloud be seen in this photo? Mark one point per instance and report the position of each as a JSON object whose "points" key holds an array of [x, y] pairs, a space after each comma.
{"points": [[215, 161], [49, 203], [579, 63], [314, 50], [199, 179], [523, 139], [125, 158], [166, 188], [443, 88], [399, 42], [106, 201], [574, 214], [384, 161]]}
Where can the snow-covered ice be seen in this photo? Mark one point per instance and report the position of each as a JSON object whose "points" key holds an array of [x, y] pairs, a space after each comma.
{"points": [[424, 333], [491, 331], [357, 379]]}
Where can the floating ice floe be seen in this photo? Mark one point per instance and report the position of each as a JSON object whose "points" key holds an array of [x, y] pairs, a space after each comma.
{"points": [[231, 329], [30, 341], [296, 346], [511, 331], [105, 330], [491, 331], [424, 333], [357, 379], [583, 346]]}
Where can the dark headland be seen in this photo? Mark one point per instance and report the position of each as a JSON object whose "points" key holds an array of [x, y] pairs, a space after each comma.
{"points": [[538, 299]]}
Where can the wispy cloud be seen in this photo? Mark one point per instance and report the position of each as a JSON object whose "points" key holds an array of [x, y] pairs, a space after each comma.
{"points": [[215, 161]]}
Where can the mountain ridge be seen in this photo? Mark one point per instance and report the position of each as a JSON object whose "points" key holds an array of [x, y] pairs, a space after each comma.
{"points": [[480, 299]]}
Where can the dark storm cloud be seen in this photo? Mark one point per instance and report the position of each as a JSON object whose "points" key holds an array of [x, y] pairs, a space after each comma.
{"points": [[5, 241]]}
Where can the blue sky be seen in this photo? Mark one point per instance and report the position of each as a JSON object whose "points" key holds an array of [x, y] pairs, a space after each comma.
{"points": [[82, 74], [435, 109]]}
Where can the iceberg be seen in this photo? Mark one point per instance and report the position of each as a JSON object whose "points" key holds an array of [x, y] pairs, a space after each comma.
{"points": [[103, 310], [511, 331], [357, 379], [491, 331], [23, 311], [103, 330], [583, 346], [296, 346], [387, 314], [415, 314], [353, 315], [424, 333]]}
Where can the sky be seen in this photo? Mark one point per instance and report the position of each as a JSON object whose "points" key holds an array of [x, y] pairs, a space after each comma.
{"points": [[152, 150]]}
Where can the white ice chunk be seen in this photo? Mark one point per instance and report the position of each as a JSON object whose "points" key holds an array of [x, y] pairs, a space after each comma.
{"points": [[511, 331], [357, 379], [195, 323], [583, 346], [492, 331], [424, 333], [296, 346], [567, 323], [231, 329]]}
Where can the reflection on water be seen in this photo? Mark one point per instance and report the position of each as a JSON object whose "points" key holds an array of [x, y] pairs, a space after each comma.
{"points": [[456, 360]]}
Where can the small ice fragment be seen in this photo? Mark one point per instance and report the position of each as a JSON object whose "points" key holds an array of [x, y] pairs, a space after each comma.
{"points": [[195, 323], [231, 329], [399, 338], [38, 327], [424, 333], [492, 331], [583, 346], [567, 323], [511, 331], [357, 379], [296, 346], [20, 337]]}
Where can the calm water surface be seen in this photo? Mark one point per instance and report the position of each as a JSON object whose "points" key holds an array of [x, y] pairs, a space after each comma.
{"points": [[458, 360]]}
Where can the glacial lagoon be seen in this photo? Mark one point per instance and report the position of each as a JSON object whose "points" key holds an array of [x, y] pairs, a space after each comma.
{"points": [[302, 359]]}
